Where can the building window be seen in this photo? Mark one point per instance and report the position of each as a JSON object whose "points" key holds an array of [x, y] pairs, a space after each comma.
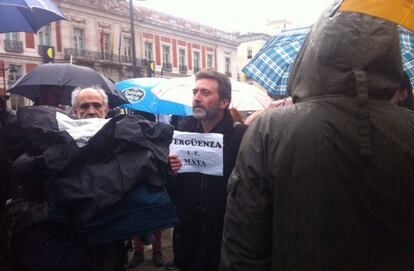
{"points": [[106, 46], [43, 35], [182, 61], [12, 36], [148, 50], [196, 60], [249, 53], [79, 41], [166, 62], [127, 49], [209, 61], [12, 43], [227, 66], [166, 54]]}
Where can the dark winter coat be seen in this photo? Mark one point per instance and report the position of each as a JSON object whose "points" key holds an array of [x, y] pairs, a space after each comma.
{"points": [[328, 183], [112, 188], [4, 168], [201, 201], [11, 146], [85, 181]]}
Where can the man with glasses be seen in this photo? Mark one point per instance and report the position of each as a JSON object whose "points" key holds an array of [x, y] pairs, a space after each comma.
{"points": [[90, 102], [31, 226]]}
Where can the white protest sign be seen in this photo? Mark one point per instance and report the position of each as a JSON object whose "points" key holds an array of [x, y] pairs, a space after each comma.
{"points": [[81, 130], [199, 152]]}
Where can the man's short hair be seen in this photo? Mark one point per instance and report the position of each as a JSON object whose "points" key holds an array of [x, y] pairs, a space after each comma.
{"points": [[224, 84], [78, 90]]}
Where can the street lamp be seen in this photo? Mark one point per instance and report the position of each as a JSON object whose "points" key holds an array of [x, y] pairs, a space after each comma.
{"points": [[134, 59], [11, 69], [131, 17]]}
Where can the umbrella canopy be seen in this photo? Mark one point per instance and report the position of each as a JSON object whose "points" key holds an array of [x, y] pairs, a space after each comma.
{"points": [[407, 52], [68, 76], [245, 97], [138, 92], [271, 66], [27, 15], [398, 11]]}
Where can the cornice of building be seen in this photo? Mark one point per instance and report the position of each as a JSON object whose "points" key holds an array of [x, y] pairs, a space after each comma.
{"points": [[113, 6], [156, 18], [169, 21], [188, 38], [253, 37], [19, 57], [187, 33]]}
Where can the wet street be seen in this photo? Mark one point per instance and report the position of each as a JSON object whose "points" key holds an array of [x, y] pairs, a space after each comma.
{"points": [[166, 251]]}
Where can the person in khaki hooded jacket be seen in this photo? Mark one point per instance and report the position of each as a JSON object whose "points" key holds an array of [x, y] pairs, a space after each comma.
{"points": [[327, 183]]}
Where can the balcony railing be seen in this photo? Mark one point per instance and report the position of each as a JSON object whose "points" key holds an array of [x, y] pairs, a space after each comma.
{"points": [[167, 67], [87, 55], [125, 59], [183, 68], [14, 46], [42, 48], [79, 53]]}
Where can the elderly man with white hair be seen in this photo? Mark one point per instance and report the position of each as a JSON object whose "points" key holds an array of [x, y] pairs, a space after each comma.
{"points": [[90, 102]]}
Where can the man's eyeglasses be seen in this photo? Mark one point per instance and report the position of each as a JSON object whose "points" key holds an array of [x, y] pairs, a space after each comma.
{"points": [[85, 106]]}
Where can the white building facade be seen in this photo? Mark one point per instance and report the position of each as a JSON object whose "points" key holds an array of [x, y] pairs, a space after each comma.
{"points": [[249, 45]]}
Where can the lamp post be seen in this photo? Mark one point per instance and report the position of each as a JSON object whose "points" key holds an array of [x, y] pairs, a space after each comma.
{"points": [[4, 78], [11, 70], [134, 59]]}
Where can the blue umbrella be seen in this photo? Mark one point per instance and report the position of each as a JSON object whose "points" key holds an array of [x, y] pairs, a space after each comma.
{"points": [[271, 66], [27, 15], [407, 52], [138, 92]]}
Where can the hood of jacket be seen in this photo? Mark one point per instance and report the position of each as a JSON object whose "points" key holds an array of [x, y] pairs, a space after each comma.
{"points": [[348, 53]]}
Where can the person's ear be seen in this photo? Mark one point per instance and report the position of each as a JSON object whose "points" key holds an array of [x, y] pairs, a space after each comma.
{"points": [[74, 111], [224, 103]]}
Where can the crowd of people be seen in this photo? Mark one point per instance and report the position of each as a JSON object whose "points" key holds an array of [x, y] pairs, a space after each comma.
{"points": [[321, 181]]}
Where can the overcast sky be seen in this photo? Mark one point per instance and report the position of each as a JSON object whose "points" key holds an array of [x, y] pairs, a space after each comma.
{"points": [[241, 15]]}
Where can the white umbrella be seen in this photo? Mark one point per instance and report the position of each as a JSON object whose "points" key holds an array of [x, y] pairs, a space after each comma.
{"points": [[245, 97]]}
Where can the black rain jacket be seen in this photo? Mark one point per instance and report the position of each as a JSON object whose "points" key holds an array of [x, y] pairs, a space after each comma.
{"points": [[84, 182], [201, 201]]}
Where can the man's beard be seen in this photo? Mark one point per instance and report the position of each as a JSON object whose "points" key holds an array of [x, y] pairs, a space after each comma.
{"points": [[202, 113]]}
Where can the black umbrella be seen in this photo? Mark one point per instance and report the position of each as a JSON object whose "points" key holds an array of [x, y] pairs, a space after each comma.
{"points": [[68, 76]]}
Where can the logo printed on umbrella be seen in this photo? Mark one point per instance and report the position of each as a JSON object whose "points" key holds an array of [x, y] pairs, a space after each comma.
{"points": [[134, 94]]}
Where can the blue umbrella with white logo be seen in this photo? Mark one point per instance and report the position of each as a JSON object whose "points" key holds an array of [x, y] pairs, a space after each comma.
{"points": [[139, 94]]}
